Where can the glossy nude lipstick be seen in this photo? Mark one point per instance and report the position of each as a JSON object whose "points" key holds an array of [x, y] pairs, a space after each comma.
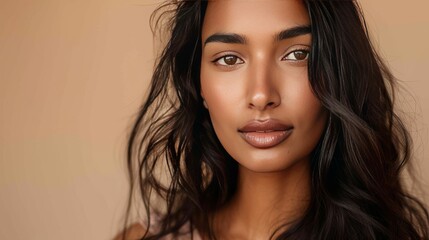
{"points": [[265, 134]]}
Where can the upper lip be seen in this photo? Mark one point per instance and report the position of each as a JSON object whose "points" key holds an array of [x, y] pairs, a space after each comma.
{"points": [[265, 126]]}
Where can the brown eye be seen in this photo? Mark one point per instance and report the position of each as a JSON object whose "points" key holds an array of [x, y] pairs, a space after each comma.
{"points": [[297, 55], [229, 60], [300, 55]]}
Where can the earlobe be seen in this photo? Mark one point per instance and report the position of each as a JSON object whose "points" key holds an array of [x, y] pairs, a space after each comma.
{"points": [[204, 101]]}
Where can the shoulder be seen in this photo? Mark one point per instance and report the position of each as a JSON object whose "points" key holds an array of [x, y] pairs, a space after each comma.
{"points": [[134, 232]]}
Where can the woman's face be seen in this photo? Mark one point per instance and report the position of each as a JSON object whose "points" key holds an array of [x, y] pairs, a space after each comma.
{"points": [[255, 84]]}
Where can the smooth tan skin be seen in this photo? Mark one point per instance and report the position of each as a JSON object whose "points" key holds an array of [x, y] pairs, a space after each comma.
{"points": [[134, 232], [266, 80]]}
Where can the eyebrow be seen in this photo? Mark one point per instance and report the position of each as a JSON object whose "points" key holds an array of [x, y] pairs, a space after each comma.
{"points": [[241, 39], [293, 32], [226, 38]]}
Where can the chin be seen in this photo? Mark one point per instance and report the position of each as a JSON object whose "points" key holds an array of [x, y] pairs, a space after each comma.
{"points": [[266, 162]]}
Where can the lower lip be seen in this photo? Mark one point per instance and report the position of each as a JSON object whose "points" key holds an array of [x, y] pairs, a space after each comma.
{"points": [[265, 139]]}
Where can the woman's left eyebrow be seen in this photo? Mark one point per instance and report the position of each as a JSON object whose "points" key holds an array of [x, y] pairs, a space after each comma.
{"points": [[293, 32], [234, 38]]}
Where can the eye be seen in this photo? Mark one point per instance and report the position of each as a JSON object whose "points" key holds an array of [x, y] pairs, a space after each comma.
{"points": [[297, 55], [228, 60]]}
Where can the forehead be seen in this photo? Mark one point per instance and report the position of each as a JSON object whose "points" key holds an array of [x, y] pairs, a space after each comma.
{"points": [[253, 16]]}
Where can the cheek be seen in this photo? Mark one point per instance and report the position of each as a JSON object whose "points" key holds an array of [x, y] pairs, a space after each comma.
{"points": [[312, 112], [305, 111], [221, 91], [303, 106], [310, 119], [306, 106], [224, 96], [221, 95]]}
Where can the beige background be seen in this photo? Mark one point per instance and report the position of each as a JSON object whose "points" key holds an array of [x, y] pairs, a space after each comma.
{"points": [[73, 73]]}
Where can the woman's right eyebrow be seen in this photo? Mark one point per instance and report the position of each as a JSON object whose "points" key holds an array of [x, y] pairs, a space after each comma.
{"points": [[241, 39], [226, 38]]}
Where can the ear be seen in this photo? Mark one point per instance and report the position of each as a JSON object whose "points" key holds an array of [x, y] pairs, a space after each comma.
{"points": [[202, 94], [204, 100]]}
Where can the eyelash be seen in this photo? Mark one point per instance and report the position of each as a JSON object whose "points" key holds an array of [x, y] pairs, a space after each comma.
{"points": [[304, 50]]}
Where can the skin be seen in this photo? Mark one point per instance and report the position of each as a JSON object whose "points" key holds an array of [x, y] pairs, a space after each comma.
{"points": [[134, 232], [262, 78]]}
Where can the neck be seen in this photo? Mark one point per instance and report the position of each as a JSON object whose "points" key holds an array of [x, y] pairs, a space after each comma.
{"points": [[265, 201]]}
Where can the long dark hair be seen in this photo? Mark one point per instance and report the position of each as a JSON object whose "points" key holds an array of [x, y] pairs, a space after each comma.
{"points": [[183, 174]]}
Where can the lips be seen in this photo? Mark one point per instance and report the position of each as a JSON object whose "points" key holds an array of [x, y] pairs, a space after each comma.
{"points": [[265, 134]]}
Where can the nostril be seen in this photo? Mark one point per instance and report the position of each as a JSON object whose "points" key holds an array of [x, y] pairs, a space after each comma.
{"points": [[263, 106], [270, 104]]}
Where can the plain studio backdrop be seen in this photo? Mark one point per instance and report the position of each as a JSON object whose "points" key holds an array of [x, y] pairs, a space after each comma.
{"points": [[72, 76]]}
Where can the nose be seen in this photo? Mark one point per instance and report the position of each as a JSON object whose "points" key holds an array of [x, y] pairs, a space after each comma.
{"points": [[263, 93]]}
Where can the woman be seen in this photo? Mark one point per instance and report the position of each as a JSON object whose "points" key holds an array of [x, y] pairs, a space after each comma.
{"points": [[271, 120]]}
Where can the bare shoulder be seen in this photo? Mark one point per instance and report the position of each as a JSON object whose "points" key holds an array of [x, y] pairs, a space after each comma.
{"points": [[135, 232]]}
